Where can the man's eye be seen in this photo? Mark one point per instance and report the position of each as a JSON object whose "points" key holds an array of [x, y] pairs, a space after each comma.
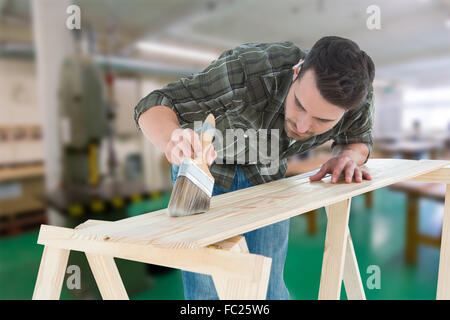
{"points": [[300, 107], [324, 121]]}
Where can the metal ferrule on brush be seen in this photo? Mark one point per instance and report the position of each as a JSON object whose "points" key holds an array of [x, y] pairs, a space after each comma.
{"points": [[190, 170]]}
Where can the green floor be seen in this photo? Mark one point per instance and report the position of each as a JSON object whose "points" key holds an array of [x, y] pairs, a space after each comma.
{"points": [[378, 237]]}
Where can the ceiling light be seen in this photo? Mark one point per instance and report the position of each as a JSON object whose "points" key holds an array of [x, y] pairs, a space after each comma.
{"points": [[176, 51], [447, 23]]}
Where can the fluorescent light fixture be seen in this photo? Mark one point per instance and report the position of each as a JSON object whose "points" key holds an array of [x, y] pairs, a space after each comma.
{"points": [[176, 51], [447, 23], [420, 96]]}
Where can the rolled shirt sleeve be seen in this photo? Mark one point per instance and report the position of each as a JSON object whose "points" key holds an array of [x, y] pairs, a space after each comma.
{"points": [[192, 97], [359, 126], [155, 98]]}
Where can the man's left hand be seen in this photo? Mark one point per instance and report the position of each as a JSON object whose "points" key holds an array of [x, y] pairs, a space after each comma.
{"points": [[341, 165]]}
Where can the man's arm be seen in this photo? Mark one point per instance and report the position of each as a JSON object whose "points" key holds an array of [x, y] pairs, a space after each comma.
{"points": [[358, 152], [161, 114], [158, 124], [351, 147]]}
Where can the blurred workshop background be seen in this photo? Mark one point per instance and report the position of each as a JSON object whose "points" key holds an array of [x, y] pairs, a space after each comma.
{"points": [[69, 149]]}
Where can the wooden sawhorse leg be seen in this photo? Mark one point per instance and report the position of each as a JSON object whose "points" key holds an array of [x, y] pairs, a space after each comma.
{"points": [[53, 269], [443, 286], [107, 277], [105, 271], [442, 175], [352, 278], [51, 274], [237, 273], [339, 260], [255, 289]]}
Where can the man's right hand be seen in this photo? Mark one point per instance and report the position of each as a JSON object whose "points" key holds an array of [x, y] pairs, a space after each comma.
{"points": [[185, 143]]}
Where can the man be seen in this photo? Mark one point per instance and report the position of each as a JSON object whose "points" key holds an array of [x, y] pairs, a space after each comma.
{"points": [[309, 97]]}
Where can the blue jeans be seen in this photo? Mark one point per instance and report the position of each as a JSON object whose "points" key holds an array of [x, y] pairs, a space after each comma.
{"points": [[269, 241]]}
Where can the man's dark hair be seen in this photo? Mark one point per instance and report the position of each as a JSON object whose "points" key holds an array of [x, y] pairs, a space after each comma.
{"points": [[344, 73]]}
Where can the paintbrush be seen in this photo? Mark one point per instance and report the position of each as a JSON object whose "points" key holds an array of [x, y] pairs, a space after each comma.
{"points": [[193, 188]]}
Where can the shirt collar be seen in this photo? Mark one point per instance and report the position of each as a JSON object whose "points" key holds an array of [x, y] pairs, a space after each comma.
{"points": [[279, 84]]}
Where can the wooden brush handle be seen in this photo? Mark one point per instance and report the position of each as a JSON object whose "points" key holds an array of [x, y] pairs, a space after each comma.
{"points": [[207, 137]]}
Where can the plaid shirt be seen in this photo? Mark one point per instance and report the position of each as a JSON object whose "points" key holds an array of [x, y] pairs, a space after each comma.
{"points": [[245, 88]]}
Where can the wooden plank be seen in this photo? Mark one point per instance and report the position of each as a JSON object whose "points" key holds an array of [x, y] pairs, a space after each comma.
{"points": [[21, 172], [90, 223], [51, 273], [252, 208], [107, 277], [443, 287], [292, 199], [208, 260], [441, 175], [335, 250]]}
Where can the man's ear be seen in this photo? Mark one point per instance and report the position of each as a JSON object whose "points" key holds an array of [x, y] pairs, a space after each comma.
{"points": [[296, 72], [297, 69]]}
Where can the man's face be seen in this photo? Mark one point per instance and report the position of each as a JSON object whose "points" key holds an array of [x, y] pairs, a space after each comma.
{"points": [[307, 113]]}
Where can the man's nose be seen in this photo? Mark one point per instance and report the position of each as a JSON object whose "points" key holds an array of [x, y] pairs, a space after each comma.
{"points": [[303, 124]]}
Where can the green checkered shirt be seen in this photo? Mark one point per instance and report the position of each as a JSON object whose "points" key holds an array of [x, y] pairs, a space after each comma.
{"points": [[245, 88]]}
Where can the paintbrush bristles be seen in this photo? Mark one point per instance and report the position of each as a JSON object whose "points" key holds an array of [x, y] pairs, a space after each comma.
{"points": [[187, 199]]}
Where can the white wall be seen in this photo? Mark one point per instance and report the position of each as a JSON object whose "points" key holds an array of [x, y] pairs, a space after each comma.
{"points": [[18, 93], [19, 111], [388, 111]]}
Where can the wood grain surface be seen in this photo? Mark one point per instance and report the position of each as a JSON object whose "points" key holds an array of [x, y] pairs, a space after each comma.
{"points": [[244, 210]]}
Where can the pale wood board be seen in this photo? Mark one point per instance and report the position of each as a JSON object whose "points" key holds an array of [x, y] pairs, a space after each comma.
{"points": [[245, 210], [441, 175], [209, 260], [21, 172], [443, 287]]}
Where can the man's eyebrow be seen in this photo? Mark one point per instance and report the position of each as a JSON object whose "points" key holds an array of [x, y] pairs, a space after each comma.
{"points": [[301, 106]]}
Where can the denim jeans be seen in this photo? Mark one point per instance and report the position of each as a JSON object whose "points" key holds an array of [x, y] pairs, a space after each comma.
{"points": [[269, 241]]}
